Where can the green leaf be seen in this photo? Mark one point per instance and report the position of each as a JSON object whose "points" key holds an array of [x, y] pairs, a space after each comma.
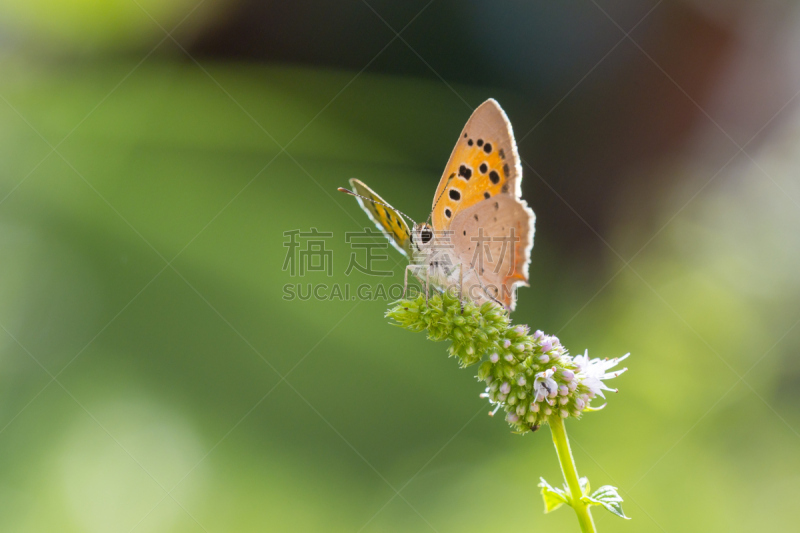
{"points": [[590, 408], [584, 482], [553, 497], [608, 497]]}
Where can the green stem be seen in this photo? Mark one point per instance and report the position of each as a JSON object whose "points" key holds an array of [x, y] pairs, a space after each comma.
{"points": [[570, 473]]}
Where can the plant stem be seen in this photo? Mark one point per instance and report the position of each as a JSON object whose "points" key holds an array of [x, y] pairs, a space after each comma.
{"points": [[570, 473]]}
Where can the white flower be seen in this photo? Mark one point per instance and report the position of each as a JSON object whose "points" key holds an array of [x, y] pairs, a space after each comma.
{"points": [[592, 372], [544, 384]]}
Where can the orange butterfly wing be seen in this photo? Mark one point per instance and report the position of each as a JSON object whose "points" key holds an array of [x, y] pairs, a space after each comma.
{"points": [[384, 216], [480, 191], [484, 163]]}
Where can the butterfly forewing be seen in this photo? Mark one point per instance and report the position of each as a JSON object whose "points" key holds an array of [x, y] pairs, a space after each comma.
{"points": [[484, 163], [385, 217]]}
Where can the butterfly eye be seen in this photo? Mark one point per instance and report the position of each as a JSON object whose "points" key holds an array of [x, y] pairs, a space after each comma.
{"points": [[426, 235]]}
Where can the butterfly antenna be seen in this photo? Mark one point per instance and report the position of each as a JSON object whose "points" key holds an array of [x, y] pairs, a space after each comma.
{"points": [[440, 196], [351, 193]]}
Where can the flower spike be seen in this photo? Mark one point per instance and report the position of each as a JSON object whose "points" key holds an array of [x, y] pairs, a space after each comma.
{"points": [[530, 376]]}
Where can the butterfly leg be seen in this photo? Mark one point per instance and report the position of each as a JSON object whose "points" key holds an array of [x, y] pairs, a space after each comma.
{"points": [[486, 291], [427, 283], [461, 287], [405, 280]]}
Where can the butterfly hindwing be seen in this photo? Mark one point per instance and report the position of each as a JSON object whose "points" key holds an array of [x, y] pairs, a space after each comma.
{"points": [[484, 163], [493, 240], [385, 217]]}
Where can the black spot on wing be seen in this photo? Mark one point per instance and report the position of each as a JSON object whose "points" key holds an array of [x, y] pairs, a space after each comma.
{"points": [[505, 169], [465, 172], [448, 213], [455, 194], [483, 168], [487, 148], [494, 176], [480, 142], [487, 195], [502, 154]]}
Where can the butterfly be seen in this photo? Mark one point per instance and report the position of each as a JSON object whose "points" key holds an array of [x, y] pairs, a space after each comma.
{"points": [[480, 235]]}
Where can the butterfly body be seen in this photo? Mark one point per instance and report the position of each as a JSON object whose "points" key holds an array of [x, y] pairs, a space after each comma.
{"points": [[481, 234], [431, 260]]}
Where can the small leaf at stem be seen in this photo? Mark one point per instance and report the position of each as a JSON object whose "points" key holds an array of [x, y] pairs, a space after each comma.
{"points": [[608, 497], [553, 497], [590, 408], [584, 483]]}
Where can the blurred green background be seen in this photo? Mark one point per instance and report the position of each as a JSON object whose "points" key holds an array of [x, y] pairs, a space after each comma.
{"points": [[152, 154]]}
